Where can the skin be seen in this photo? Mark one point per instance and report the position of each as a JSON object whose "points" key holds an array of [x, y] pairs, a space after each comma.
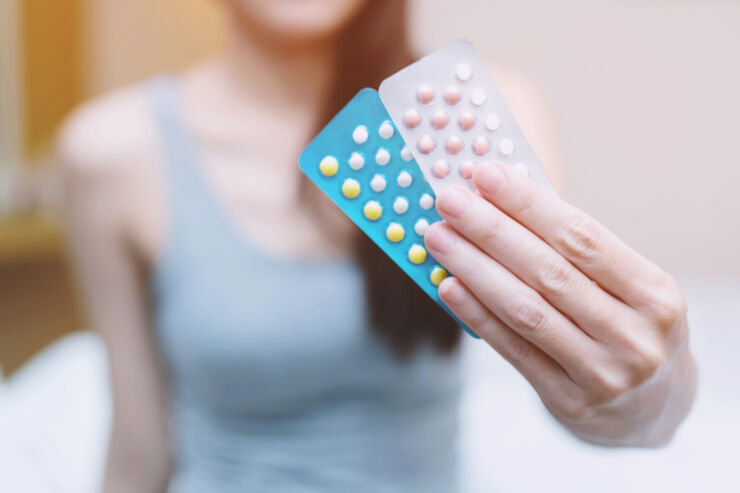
{"points": [[249, 126], [599, 331]]}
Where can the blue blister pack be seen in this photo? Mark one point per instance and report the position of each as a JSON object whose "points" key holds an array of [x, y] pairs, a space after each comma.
{"points": [[362, 163]]}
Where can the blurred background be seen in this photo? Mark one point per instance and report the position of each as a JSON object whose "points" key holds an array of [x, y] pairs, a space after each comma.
{"points": [[645, 103]]}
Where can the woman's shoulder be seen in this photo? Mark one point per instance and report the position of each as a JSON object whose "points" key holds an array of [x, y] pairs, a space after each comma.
{"points": [[108, 134]]}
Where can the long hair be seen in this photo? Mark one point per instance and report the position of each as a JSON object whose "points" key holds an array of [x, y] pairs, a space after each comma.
{"points": [[371, 47]]}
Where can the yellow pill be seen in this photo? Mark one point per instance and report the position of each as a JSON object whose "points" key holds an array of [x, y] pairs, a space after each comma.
{"points": [[373, 210], [417, 254], [438, 275], [350, 188], [395, 232], [329, 166]]}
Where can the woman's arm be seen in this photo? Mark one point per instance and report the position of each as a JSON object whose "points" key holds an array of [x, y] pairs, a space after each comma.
{"points": [[95, 208]]}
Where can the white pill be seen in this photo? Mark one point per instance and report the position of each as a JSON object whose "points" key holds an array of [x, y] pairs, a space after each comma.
{"points": [[400, 205], [382, 157], [404, 179], [406, 154], [464, 71], [386, 130], [492, 121], [356, 161], [426, 201], [359, 135], [506, 147], [478, 97], [421, 227], [377, 183], [522, 168]]}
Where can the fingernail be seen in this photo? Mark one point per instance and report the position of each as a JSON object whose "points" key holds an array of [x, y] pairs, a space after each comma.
{"points": [[451, 292], [453, 201], [439, 238], [489, 177]]}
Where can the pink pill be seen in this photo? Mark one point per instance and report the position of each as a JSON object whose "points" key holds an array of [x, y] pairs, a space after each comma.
{"points": [[426, 144], [466, 120], [481, 145], [439, 119], [454, 144], [425, 94], [466, 169], [452, 95], [441, 168], [411, 118]]}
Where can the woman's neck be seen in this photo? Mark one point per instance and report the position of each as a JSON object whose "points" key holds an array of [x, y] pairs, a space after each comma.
{"points": [[283, 76]]}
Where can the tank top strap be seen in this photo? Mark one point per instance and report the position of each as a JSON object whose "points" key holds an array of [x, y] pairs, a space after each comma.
{"points": [[189, 202]]}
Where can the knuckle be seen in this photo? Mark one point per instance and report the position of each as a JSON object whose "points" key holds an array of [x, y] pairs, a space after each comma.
{"points": [[574, 409], [580, 239], [526, 315], [666, 303], [646, 363], [515, 349], [554, 276], [480, 320], [612, 384], [490, 229], [525, 202]]}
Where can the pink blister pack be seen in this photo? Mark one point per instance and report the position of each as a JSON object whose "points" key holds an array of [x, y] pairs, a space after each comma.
{"points": [[452, 116]]}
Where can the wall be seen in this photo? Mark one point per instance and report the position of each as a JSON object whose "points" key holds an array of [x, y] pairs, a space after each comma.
{"points": [[645, 99]]}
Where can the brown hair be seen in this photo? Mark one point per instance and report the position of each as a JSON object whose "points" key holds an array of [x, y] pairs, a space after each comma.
{"points": [[371, 47]]}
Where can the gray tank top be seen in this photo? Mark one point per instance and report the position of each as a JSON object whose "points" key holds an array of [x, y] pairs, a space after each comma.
{"points": [[277, 381]]}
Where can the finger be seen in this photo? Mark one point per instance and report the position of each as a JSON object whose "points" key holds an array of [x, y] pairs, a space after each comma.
{"points": [[541, 371], [514, 303], [582, 240], [533, 261]]}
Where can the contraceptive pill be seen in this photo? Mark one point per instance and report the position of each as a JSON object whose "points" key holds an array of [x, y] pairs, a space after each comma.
{"points": [[385, 195], [467, 124]]}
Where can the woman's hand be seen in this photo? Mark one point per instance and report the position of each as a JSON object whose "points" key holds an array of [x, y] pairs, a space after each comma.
{"points": [[599, 331]]}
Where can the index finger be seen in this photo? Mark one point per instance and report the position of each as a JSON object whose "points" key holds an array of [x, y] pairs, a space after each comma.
{"points": [[588, 245]]}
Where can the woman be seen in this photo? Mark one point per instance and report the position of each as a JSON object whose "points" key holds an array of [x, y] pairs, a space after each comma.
{"points": [[289, 352]]}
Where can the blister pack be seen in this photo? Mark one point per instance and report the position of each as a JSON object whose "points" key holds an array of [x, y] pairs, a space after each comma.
{"points": [[362, 163], [451, 115]]}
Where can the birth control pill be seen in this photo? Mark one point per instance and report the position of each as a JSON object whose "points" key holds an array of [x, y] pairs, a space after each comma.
{"points": [[395, 232], [329, 166], [400, 205], [426, 201], [350, 188], [411, 118], [466, 120], [417, 254], [506, 146], [438, 275], [386, 130], [406, 154], [463, 71], [426, 144], [481, 145], [372, 210], [378, 183], [356, 161], [492, 121], [359, 134], [452, 95], [478, 97], [454, 144], [441, 168], [421, 226], [382, 157], [425, 94], [466, 169], [404, 179], [522, 168], [439, 119]]}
